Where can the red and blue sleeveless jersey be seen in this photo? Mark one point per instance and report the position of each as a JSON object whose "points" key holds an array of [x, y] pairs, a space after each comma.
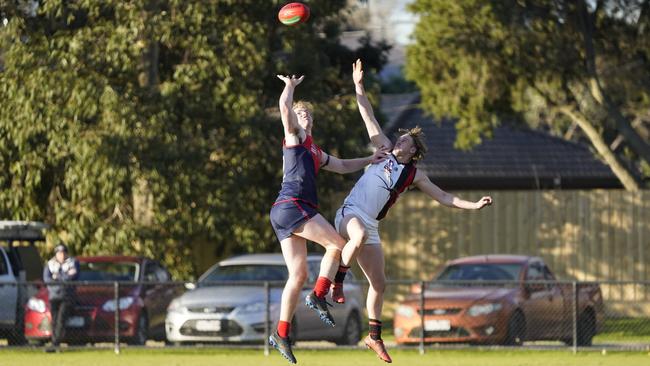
{"points": [[300, 168]]}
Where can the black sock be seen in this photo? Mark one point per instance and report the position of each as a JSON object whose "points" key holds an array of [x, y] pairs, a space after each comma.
{"points": [[340, 275], [374, 329]]}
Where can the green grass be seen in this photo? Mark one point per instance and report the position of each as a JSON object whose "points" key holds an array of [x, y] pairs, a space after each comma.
{"points": [[214, 357], [624, 330]]}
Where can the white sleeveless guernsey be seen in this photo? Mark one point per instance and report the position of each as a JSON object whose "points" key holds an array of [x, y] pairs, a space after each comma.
{"points": [[379, 187]]}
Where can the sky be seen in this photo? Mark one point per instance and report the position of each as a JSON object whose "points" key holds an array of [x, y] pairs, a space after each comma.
{"points": [[391, 19]]}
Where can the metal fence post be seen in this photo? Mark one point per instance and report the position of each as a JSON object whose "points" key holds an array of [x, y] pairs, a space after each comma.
{"points": [[574, 313], [116, 286], [422, 317], [267, 318]]}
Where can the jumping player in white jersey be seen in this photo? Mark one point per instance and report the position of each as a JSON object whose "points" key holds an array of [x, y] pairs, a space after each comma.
{"points": [[374, 193]]}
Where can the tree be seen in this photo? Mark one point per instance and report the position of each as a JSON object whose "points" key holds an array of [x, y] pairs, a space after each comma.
{"points": [[555, 63], [148, 127]]}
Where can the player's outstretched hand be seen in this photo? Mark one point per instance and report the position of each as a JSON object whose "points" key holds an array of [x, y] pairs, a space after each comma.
{"points": [[357, 72], [292, 80], [484, 201], [380, 155]]}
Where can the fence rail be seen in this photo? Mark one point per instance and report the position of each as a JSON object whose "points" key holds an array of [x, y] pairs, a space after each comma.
{"points": [[534, 314]]}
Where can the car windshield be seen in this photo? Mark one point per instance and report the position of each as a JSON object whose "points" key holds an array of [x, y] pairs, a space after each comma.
{"points": [[108, 271], [246, 272], [481, 272]]}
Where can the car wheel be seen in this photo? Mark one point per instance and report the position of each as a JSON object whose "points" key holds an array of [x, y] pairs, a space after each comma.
{"points": [[516, 330], [586, 329], [352, 332], [17, 336], [141, 332], [16, 339]]}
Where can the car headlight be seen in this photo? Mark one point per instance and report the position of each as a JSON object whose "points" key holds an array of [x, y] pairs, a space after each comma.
{"points": [[124, 303], [256, 307], [35, 304], [484, 309], [405, 311], [175, 306]]}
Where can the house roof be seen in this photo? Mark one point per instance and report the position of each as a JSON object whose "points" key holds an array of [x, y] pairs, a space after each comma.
{"points": [[515, 158]]}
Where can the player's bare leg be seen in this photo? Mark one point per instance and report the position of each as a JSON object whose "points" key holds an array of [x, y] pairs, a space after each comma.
{"points": [[371, 261], [318, 230], [294, 251], [354, 230]]}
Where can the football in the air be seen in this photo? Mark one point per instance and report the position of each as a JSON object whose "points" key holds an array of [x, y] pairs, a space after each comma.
{"points": [[293, 14]]}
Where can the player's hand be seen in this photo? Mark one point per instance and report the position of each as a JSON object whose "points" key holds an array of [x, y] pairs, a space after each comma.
{"points": [[357, 72], [292, 80], [484, 201], [380, 155]]}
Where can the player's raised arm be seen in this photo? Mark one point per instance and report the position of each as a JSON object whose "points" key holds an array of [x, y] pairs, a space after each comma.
{"points": [[377, 136], [288, 116], [422, 181]]}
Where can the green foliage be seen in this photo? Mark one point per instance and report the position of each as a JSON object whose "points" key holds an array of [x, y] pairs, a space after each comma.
{"points": [[483, 61], [150, 127]]}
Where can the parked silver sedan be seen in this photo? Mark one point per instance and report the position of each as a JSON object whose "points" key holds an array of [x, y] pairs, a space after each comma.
{"points": [[236, 313]]}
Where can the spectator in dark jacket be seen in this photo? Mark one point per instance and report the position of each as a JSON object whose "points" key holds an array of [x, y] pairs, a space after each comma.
{"points": [[60, 269]]}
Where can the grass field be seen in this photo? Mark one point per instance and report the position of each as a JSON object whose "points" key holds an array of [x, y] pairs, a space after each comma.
{"points": [[625, 330], [215, 357]]}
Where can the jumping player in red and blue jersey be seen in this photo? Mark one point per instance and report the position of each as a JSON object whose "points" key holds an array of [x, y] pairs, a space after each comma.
{"points": [[368, 202], [294, 214]]}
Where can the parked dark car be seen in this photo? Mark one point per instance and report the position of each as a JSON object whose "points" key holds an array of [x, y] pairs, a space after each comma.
{"points": [[499, 299], [142, 304]]}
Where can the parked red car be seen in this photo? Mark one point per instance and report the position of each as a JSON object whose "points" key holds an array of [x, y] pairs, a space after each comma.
{"points": [[142, 305], [499, 299]]}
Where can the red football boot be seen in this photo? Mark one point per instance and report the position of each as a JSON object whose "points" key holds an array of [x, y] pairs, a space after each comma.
{"points": [[378, 347]]}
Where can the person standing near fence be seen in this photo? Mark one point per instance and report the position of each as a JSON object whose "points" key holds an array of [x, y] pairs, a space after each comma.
{"points": [[374, 193], [59, 269]]}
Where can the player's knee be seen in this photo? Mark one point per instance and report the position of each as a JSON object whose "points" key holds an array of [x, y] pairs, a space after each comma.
{"points": [[298, 277], [359, 240], [337, 244], [334, 252]]}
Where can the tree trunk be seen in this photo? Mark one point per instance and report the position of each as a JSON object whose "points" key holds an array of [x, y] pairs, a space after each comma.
{"points": [[148, 77], [622, 124], [597, 141]]}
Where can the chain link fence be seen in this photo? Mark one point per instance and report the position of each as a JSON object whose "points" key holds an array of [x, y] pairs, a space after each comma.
{"points": [[534, 314]]}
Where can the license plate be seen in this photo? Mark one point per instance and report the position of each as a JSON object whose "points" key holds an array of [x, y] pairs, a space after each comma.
{"points": [[437, 325], [208, 325], [75, 322]]}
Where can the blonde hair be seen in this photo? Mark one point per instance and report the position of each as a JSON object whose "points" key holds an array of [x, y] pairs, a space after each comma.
{"points": [[418, 138], [303, 104]]}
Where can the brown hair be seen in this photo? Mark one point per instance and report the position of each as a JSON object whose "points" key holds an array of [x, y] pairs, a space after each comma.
{"points": [[303, 104], [418, 138]]}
